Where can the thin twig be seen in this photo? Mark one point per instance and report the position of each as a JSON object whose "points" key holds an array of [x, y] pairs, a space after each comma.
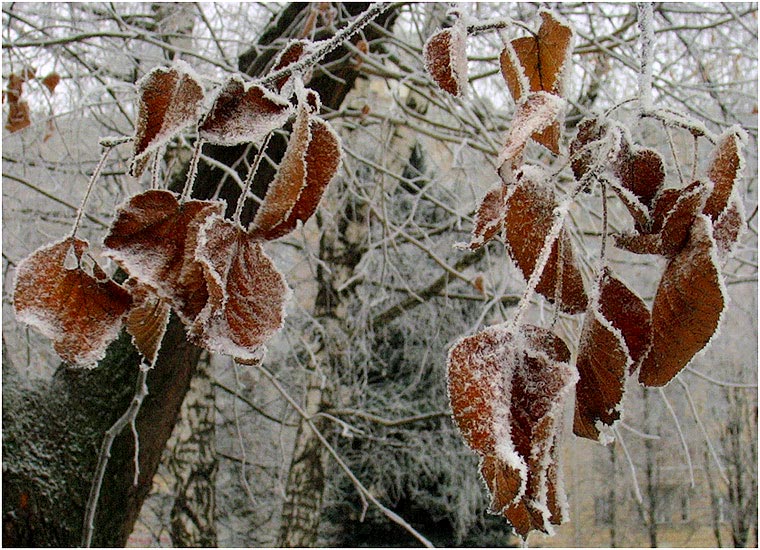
{"points": [[363, 491], [680, 436], [127, 419]]}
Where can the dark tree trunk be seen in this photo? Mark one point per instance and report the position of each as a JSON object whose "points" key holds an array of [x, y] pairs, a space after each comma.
{"points": [[52, 431]]}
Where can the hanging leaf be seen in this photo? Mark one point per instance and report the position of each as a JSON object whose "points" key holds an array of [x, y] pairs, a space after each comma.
{"points": [[310, 162], [18, 116], [169, 100], [147, 320], [536, 113], [616, 335], [687, 307], [639, 170], [542, 59], [729, 228], [445, 57], [153, 238], [247, 293], [581, 155], [725, 169], [507, 393], [678, 222], [540, 65], [51, 81], [530, 215], [293, 52], [489, 219], [241, 115], [80, 313]]}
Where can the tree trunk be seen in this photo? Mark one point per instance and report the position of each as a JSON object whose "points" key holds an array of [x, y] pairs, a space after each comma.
{"points": [[193, 464], [53, 430]]}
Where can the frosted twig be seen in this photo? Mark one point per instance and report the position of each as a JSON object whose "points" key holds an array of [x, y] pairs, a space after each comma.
{"points": [[364, 493], [720, 382], [645, 12], [327, 46], [641, 434], [90, 185], [636, 490], [680, 436], [241, 442], [126, 419], [249, 179], [694, 412], [666, 128], [192, 170]]}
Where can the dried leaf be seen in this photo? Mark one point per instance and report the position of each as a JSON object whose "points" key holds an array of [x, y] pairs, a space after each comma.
{"points": [[310, 162], [533, 116], [530, 215], [445, 57], [169, 100], [18, 115], [687, 307], [678, 222], [616, 335], [81, 314], [293, 52], [489, 219], [241, 115], [147, 320], [582, 157], [51, 81], [725, 169], [507, 393], [647, 243], [729, 228], [247, 293], [153, 238], [639, 170]]}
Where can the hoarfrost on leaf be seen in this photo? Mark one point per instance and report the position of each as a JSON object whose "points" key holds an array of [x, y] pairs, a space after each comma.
{"points": [[78, 312], [445, 57]]}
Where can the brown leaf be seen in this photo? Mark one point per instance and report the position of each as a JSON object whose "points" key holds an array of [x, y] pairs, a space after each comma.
{"points": [[247, 293], [533, 116], [18, 115], [678, 222], [81, 314], [292, 53], [489, 219], [582, 158], [169, 100], [445, 58], [51, 81], [616, 334], [310, 162], [647, 243], [527, 224], [542, 58], [686, 309], [147, 320], [507, 393], [154, 237], [241, 115], [729, 228], [726, 166]]}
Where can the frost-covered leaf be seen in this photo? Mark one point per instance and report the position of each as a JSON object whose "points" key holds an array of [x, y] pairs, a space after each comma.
{"points": [[445, 57], [18, 115], [247, 293], [310, 162], [169, 100], [291, 53], [687, 307], [79, 312], [241, 114], [153, 238], [529, 219], [647, 243], [533, 116], [542, 59], [641, 171], [147, 320], [729, 228], [489, 219], [678, 221], [507, 392], [726, 166], [581, 155], [615, 336]]}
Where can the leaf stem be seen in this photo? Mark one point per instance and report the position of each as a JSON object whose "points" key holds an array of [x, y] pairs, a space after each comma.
{"points": [[192, 171], [90, 185], [249, 179]]}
